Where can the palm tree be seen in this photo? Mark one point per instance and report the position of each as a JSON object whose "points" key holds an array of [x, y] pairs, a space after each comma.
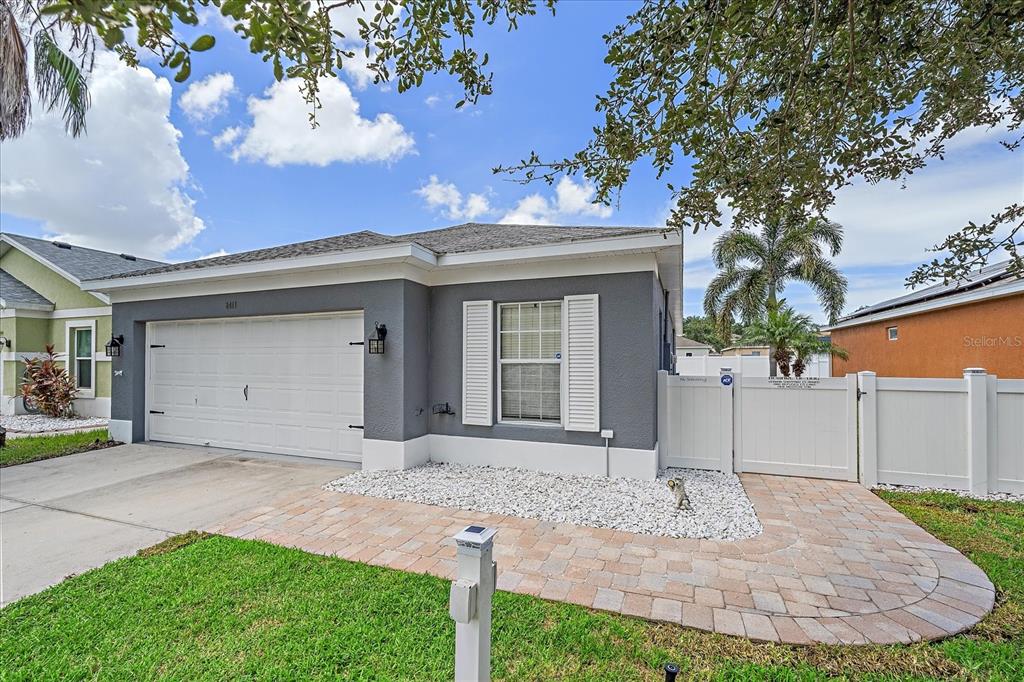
{"points": [[60, 80], [755, 268], [810, 344], [780, 328]]}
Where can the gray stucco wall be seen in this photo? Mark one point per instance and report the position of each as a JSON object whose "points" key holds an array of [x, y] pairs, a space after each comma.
{"points": [[629, 348], [394, 401]]}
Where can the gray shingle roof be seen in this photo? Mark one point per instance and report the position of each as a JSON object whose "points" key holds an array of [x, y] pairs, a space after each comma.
{"points": [[13, 292], [457, 239], [81, 262], [489, 236], [988, 276]]}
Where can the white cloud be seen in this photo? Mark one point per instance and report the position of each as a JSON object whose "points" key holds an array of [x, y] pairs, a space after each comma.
{"points": [[346, 20], [280, 133], [121, 186], [208, 97], [227, 137], [446, 197], [432, 101], [572, 200], [216, 254], [886, 224]]}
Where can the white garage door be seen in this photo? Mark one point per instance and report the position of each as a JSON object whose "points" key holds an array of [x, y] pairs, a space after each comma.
{"points": [[291, 385]]}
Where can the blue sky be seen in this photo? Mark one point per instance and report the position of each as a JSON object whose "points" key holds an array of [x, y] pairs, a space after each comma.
{"points": [[159, 175]]}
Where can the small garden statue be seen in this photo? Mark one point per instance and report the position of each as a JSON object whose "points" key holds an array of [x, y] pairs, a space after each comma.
{"points": [[679, 490]]}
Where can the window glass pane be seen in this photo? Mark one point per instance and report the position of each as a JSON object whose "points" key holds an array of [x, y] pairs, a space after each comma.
{"points": [[550, 409], [551, 315], [510, 377], [529, 316], [509, 345], [550, 344], [83, 343], [531, 377], [529, 345], [530, 404], [83, 373], [551, 377], [509, 317], [510, 405]]}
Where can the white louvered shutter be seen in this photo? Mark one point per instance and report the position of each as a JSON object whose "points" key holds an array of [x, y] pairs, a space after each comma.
{"points": [[478, 362], [581, 365]]}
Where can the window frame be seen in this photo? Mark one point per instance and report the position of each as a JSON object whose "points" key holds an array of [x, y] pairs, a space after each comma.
{"points": [[501, 419], [72, 327], [893, 333]]}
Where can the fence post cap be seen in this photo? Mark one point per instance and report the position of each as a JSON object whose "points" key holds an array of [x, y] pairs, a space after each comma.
{"points": [[866, 372], [725, 370], [974, 370]]}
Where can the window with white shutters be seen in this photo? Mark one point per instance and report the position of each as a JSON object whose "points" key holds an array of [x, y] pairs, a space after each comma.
{"points": [[477, 362], [529, 361], [581, 364]]}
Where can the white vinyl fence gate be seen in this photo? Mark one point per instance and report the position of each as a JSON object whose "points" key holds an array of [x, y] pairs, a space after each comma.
{"points": [[953, 433]]}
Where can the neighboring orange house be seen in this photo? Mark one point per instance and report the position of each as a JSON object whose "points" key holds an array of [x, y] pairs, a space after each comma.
{"points": [[940, 330]]}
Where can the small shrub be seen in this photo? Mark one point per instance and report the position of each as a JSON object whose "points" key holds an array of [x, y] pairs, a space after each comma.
{"points": [[47, 387]]}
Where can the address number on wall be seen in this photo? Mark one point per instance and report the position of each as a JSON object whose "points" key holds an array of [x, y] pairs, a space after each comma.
{"points": [[231, 305]]}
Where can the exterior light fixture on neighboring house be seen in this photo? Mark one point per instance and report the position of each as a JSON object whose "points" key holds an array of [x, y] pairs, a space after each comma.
{"points": [[114, 346], [5, 342], [376, 345]]}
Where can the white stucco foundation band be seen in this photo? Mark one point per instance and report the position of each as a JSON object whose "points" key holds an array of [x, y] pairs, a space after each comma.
{"points": [[533, 455], [120, 430]]}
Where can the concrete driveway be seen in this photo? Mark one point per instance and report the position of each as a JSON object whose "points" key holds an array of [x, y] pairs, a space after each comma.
{"points": [[64, 516]]}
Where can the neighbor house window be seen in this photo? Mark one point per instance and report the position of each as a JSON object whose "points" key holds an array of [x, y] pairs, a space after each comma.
{"points": [[81, 356], [893, 333], [530, 361]]}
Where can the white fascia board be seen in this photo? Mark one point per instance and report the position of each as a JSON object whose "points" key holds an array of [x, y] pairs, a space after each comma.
{"points": [[578, 249], [397, 253], [1013, 287]]}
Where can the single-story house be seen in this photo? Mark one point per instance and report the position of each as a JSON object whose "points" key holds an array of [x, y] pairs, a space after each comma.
{"points": [[940, 330], [514, 345], [688, 348], [42, 302]]}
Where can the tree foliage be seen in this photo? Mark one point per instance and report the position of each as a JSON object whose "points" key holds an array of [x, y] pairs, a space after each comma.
{"points": [[400, 40], [781, 104], [60, 74], [755, 267], [706, 330]]}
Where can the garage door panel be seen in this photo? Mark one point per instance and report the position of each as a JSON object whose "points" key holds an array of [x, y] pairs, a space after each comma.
{"points": [[304, 382]]}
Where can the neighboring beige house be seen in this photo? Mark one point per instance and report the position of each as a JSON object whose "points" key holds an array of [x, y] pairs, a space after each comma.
{"points": [[42, 302], [688, 348]]}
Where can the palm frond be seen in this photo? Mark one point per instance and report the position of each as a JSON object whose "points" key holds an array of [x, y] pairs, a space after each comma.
{"points": [[828, 284], [738, 245], [60, 83], [15, 98]]}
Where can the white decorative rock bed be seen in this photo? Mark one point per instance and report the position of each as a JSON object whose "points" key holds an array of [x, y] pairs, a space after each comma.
{"points": [[38, 423], [720, 509]]}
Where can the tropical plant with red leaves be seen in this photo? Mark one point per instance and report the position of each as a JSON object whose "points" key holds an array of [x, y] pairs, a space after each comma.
{"points": [[47, 387]]}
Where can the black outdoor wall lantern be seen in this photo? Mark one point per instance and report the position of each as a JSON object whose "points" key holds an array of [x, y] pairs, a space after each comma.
{"points": [[114, 346], [376, 345]]}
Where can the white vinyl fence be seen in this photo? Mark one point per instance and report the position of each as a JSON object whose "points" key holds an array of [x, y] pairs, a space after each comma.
{"points": [[953, 433]]}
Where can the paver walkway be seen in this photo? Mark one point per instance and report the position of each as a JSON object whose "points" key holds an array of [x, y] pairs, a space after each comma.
{"points": [[835, 563]]}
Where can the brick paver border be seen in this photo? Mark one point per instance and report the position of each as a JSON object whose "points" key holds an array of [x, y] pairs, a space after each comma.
{"points": [[835, 563]]}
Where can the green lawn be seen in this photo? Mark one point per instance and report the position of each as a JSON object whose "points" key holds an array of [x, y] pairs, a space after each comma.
{"points": [[33, 448], [219, 608]]}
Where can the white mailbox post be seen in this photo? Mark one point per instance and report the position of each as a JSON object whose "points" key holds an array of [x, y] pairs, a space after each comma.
{"points": [[470, 603]]}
